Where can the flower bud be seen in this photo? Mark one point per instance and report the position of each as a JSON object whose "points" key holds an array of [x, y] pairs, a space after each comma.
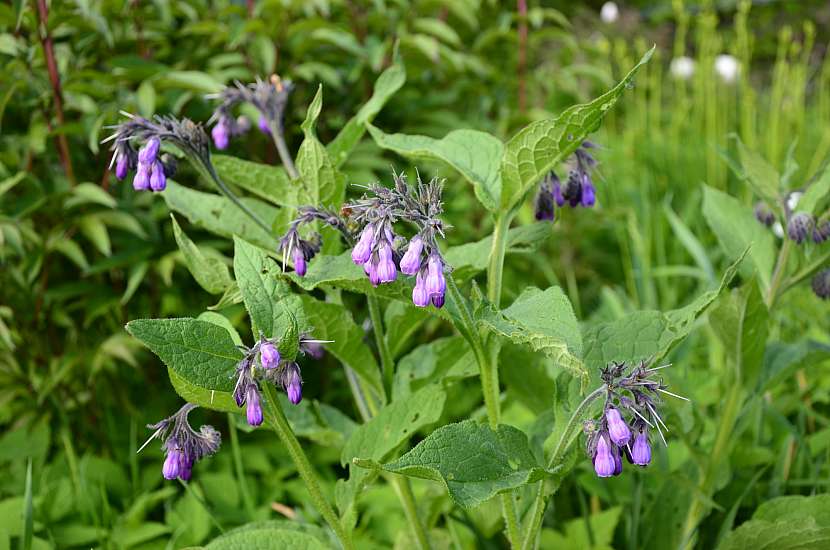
{"points": [[141, 180], [411, 261], [363, 249], [604, 463], [254, 409], [292, 383], [420, 296], [799, 226], [617, 428], [269, 355], [438, 300], [147, 154], [557, 190], [821, 232], [221, 134], [543, 205], [641, 450], [300, 266], [588, 192], [821, 284], [615, 452], [122, 166], [158, 181], [764, 214]]}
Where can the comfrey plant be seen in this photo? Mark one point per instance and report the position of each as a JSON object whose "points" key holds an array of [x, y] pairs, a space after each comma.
{"points": [[182, 445]]}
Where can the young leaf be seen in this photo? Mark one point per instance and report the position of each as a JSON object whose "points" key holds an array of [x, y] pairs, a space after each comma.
{"points": [[322, 183], [475, 155], [211, 273], [473, 461], [761, 177], [816, 193], [541, 145], [267, 182]]}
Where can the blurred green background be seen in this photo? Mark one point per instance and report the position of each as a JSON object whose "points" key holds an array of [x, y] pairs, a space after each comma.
{"points": [[81, 254]]}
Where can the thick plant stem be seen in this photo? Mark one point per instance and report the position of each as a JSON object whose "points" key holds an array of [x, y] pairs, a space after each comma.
{"points": [[497, 250], [386, 361], [278, 134], [277, 419]]}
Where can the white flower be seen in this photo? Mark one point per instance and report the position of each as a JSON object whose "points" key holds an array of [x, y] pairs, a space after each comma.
{"points": [[682, 67], [778, 229], [792, 200], [727, 67], [609, 12]]}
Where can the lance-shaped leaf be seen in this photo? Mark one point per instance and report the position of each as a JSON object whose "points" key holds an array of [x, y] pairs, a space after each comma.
{"points": [[201, 357], [389, 82], [220, 216], [267, 182], [760, 175], [540, 146], [472, 460], [817, 194], [321, 182], [210, 272], [543, 320], [475, 155]]}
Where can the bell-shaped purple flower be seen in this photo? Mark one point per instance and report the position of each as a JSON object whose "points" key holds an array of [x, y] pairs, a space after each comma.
{"points": [[438, 300], [544, 209], [293, 383], [799, 226], [122, 166], [254, 408], [172, 464], [221, 134], [300, 266], [186, 470], [615, 452], [420, 296], [147, 154], [641, 450], [362, 251], [141, 180], [436, 283], [604, 463], [269, 355], [557, 191], [588, 191], [387, 272], [617, 428], [158, 181], [263, 125], [371, 269], [411, 261]]}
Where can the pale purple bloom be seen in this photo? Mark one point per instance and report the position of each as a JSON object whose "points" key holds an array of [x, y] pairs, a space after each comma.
{"points": [[269, 355], [588, 192], [557, 191], [420, 296], [363, 249], [436, 284], [172, 465], [141, 180], [411, 261], [147, 154], [617, 428], [293, 383], [254, 409], [122, 166], [221, 134], [604, 463], [641, 450], [158, 181], [300, 266], [387, 272]]}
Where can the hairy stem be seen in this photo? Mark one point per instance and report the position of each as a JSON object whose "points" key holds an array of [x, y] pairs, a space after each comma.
{"points": [[278, 135], [497, 251], [386, 361], [276, 418]]}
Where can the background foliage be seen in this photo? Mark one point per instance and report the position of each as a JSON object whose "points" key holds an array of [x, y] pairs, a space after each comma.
{"points": [[82, 255]]}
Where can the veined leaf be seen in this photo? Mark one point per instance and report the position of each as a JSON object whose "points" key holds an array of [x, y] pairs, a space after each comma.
{"points": [[322, 183], [265, 537], [267, 182], [540, 146], [784, 522], [760, 175], [211, 273]]}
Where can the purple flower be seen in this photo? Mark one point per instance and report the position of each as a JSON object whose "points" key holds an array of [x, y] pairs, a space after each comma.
{"points": [[387, 272], [371, 269], [411, 261], [821, 284], [221, 133], [158, 181], [269, 355], [254, 409], [312, 348], [588, 192], [182, 445], [617, 428], [764, 214], [821, 232], [438, 300], [544, 209], [293, 383], [641, 450], [172, 464], [604, 463], [436, 284], [141, 180], [557, 191], [122, 166], [147, 154], [263, 125], [300, 266], [799, 226], [420, 296], [615, 452], [363, 249]]}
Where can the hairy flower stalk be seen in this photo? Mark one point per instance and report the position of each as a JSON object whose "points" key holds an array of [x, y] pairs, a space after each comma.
{"points": [[182, 445], [632, 400], [270, 98]]}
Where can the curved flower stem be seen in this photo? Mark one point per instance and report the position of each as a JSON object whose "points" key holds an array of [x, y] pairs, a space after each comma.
{"points": [[540, 502], [276, 418], [386, 361], [278, 135]]}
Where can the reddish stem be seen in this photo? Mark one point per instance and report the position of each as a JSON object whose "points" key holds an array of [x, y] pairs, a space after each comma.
{"points": [[522, 64], [57, 95]]}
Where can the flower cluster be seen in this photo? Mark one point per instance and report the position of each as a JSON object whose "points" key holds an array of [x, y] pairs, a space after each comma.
{"points": [[136, 145], [577, 191], [801, 226], [635, 395], [182, 445], [301, 250], [264, 363], [269, 97]]}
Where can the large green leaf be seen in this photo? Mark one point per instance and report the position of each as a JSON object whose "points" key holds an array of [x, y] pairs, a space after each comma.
{"points": [[741, 322], [736, 228], [473, 461], [389, 82], [220, 216], [476, 156], [543, 320], [268, 299], [210, 272], [267, 182], [322, 183], [784, 522], [540, 146], [266, 537], [469, 259]]}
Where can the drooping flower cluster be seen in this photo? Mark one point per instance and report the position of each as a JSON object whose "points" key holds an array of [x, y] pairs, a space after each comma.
{"points": [[578, 189], [136, 145], [182, 445], [263, 363], [800, 226], [269, 97], [368, 225], [629, 413]]}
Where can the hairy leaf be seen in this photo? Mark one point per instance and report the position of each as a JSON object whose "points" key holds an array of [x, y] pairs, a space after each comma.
{"points": [[267, 182], [784, 522], [265, 537]]}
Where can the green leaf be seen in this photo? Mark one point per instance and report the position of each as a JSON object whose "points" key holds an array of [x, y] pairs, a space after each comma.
{"points": [[760, 175], [784, 522], [220, 216], [330, 321], [200, 352], [267, 298], [443, 359], [267, 182], [740, 321], [95, 230], [475, 155], [542, 145], [322, 182], [815, 196], [543, 320], [211, 273], [89, 193], [389, 82], [266, 538], [736, 228], [576, 532], [473, 461]]}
